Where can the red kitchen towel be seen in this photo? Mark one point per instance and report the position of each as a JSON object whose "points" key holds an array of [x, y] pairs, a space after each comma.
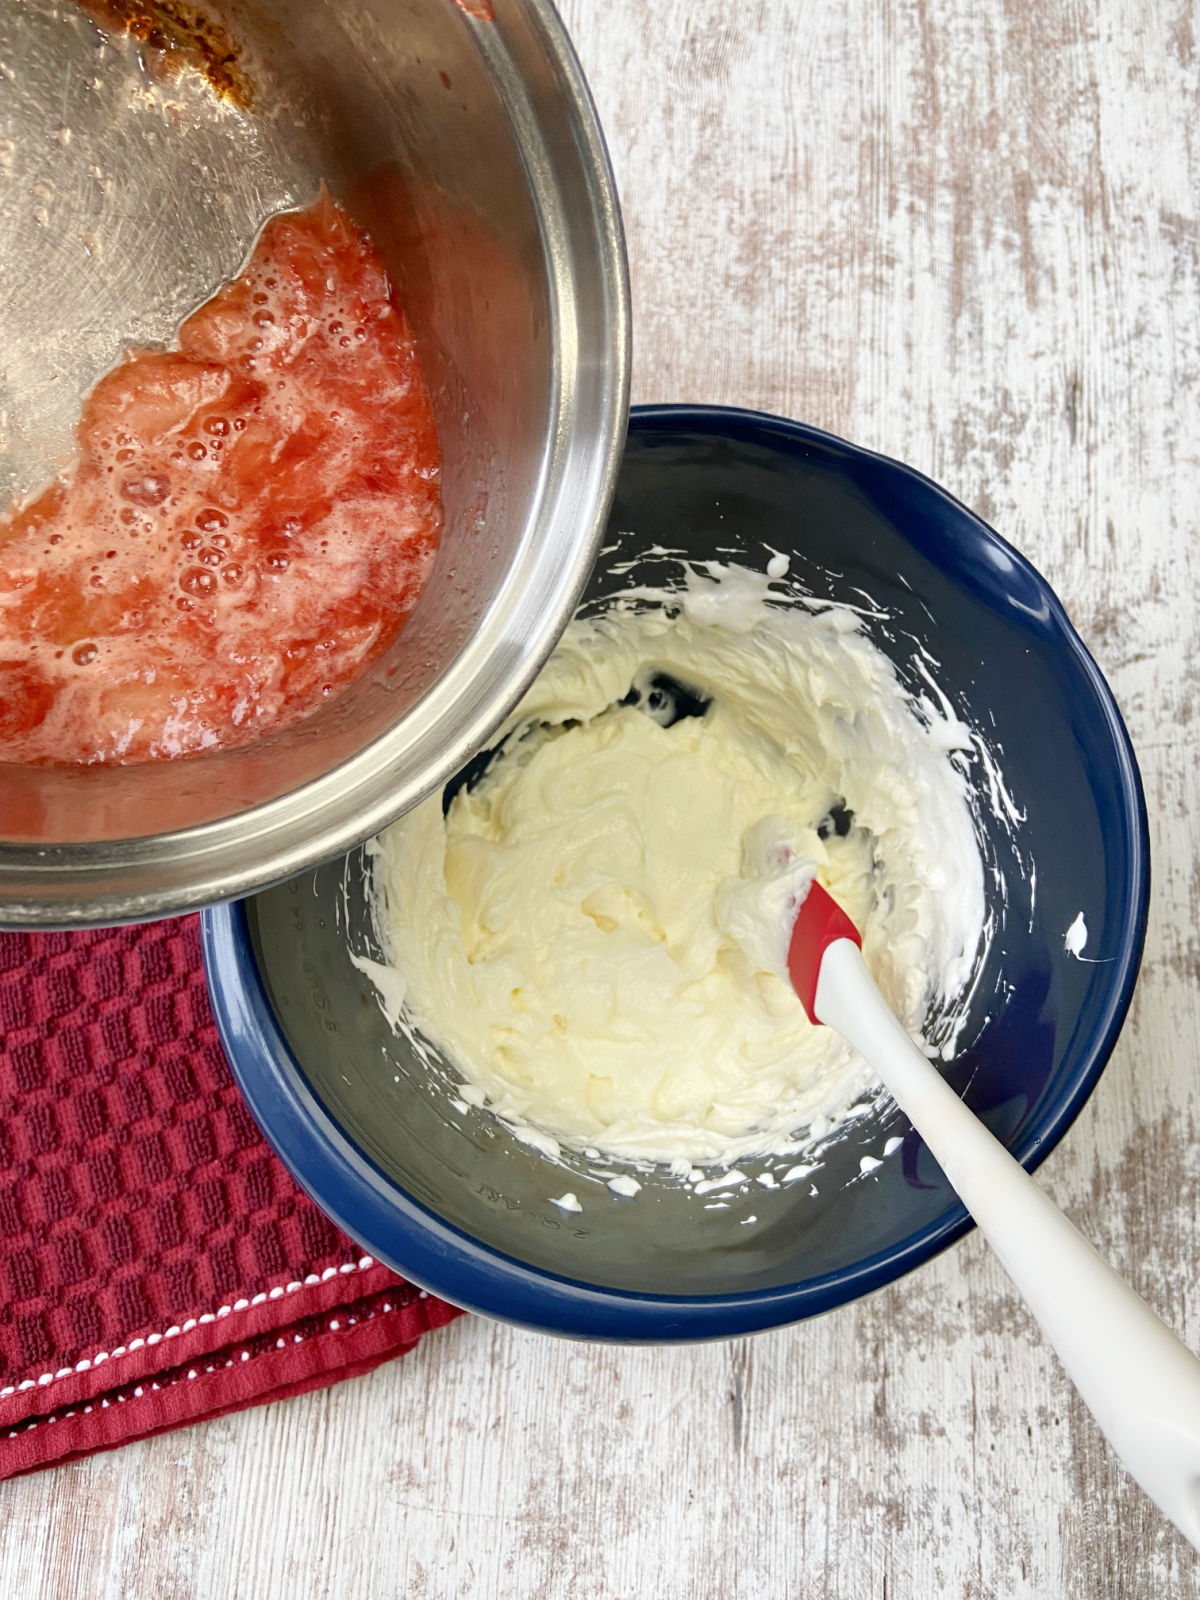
{"points": [[157, 1263]]}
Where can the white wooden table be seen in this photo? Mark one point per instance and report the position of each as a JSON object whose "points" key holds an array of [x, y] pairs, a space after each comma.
{"points": [[963, 232]]}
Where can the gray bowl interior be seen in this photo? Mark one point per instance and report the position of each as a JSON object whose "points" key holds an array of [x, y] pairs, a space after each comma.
{"points": [[1036, 1034]]}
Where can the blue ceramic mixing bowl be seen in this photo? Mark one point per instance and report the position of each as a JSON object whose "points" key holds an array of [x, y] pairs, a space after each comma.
{"points": [[453, 1201]]}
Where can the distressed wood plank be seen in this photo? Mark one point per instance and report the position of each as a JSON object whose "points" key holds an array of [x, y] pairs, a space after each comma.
{"points": [[967, 236]]}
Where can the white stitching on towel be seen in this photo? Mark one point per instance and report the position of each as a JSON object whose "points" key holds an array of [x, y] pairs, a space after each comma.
{"points": [[280, 1344], [172, 1332]]}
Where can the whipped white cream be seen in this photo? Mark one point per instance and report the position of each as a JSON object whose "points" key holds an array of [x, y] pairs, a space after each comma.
{"points": [[595, 934], [758, 908]]}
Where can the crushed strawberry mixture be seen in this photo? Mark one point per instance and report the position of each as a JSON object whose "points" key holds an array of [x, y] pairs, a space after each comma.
{"points": [[250, 518]]}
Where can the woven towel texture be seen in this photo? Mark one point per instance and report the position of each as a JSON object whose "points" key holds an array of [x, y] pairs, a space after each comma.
{"points": [[150, 1240]]}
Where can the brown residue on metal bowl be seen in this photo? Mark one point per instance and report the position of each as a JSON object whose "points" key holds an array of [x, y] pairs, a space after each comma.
{"points": [[182, 36], [483, 9]]}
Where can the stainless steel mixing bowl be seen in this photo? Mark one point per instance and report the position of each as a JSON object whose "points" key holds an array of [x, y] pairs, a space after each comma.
{"points": [[130, 187]]}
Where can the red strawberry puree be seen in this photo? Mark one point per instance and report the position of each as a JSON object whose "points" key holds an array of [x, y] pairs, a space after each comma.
{"points": [[250, 519]]}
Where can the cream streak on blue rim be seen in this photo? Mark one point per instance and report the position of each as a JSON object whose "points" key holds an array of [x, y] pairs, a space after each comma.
{"points": [[570, 935]]}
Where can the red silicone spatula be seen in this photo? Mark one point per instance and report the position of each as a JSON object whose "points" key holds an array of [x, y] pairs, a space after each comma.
{"points": [[1140, 1383]]}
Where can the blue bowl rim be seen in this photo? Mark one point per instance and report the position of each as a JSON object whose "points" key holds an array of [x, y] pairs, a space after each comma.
{"points": [[373, 1209]]}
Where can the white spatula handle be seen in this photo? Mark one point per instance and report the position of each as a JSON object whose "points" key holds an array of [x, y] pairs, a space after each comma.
{"points": [[1140, 1383]]}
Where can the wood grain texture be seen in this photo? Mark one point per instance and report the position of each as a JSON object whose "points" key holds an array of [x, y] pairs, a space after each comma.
{"points": [[966, 235]]}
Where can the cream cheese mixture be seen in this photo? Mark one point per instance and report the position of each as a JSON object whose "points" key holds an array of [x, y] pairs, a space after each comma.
{"points": [[594, 933]]}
